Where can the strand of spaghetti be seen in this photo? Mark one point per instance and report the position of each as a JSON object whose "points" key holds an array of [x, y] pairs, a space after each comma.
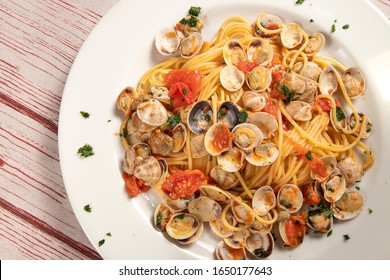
{"points": [[188, 148], [243, 184], [370, 156], [326, 60], [267, 31], [300, 50], [123, 128], [275, 167]]}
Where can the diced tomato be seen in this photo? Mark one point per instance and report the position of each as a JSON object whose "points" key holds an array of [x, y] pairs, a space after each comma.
{"points": [[315, 163], [247, 66], [183, 183], [272, 26], [324, 103], [179, 26], [295, 230], [276, 77], [181, 95], [271, 107], [133, 185], [309, 195]]}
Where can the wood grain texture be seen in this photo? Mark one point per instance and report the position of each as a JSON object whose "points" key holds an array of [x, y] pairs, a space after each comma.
{"points": [[39, 40]]}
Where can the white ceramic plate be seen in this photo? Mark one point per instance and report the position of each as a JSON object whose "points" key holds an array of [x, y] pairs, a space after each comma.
{"points": [[121, 49]]}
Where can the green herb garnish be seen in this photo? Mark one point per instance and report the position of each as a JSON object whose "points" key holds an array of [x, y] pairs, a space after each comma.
{"points": [[207, 118], [86, 151], [159, 219], [185, 91], [346, 237], [194, 11], [311, 20], [259, 252], [242, 116], [329, 233], [101, 242], [108, 234], [123, 133], [172, 121], [340, 114], [309, 156], [222, 112], [288, 93], [85, 114], [358, 188], [369, 211], [333, 28], [345, 26], [180, 216], [88, 208], [192, 21], [299, 2]]}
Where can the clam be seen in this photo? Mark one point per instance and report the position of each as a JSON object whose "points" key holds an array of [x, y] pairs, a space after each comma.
{"points": [[232, 160], [218, 139], [142, 150], [328, 81], [352, 170], [328, 163], [179, 136], [266, 122], [161, 143], [225, 180], [318, 220], [237, 239], [257, 227], [134, 125], [290, 197], [161, 94], [264, 154], [247, 136], [348, 206], [242, 214], [191, 45], [259, 78], [197, 146], [233, 53], [176, 205], [167, 41], [260, 246], [129, 160], [316, 43], [291, 35], [354, 82], [299, 110], [205, 208], [214, 192], [188, 28], [225, 252], [270, 24], [292, 230], [148, 170], [182, 226], [152, 112], [309, 94], [311, 71], [290, 82], [283, 214], [334, 186], [232, 78], [161, 217], [351, 121], [125, 100], [219, 228], [263, 200], [194, 237], [199, 117], [253, 101], [228, 114], [259, 51]]}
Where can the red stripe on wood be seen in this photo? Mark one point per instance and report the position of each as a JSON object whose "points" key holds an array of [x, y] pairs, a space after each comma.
{"points": [[46, 228]]}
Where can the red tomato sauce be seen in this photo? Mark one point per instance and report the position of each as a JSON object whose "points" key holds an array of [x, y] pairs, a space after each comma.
{"points": [[133, 185], [247, 66], [223, 138], [295, 230]]}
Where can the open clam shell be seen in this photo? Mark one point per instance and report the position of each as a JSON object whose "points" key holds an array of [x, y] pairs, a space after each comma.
{"points": [[233, 53], [191, 45], [299, 110], [265, 121], [228, 114], [247, 136], [161, 217], [167, 41], [259, 79], [231, 160], [264, 154], [263, 200], [290, 197], [259, 51], [253, 101], [237, 239], [328, 81], [218, 139], [224, 180], [268, 24], [329, 163], [349, 206], [318, 221], [351, 122], [260, 246], [316, 43], [205, 208], [292, 230], [352, 170], [219, 228], [152, 112], [334, 186], [225, 252], [199, 118], [291, 35], [354, 82], [232, 78], [182, 226]]}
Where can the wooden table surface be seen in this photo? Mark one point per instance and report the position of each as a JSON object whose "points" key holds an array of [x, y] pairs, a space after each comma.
{"points": [[39, 40]]}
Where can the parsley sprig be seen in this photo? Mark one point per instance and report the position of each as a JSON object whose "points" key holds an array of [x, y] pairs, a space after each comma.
{"points": [[86, 151]]}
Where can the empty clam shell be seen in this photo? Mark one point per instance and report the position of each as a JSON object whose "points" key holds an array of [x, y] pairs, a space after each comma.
{"points": [[167, 41], [231, 160], [263, 200], [225, 252], [191, 45], [291, 35], [233, 53], [232, 78], [328, 80], [259, 79], [349, 206], [259, 51], [205, 208]]}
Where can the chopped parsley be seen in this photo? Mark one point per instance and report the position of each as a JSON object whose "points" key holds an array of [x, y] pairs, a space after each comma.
{"points": [[333, 28], [259, 252], [309, 156], [86, 151], [123, 133], [192, 21], [358, 188], [101, 242], [322, 209], [242, 116], [108, 234], [108, 120], [185, 91], [329, 233], [311, 20], [369, 211], [180, 216], [88, 208], [346, 237], [222, 112], [299, 2], [195, 11], [207, 118], [340, 114], [345, 26], [159, 219], [85, 114], [288, 93], [173, 121]]}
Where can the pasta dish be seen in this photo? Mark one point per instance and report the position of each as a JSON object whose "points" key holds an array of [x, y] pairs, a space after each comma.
{"points": [[251, 132]]}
